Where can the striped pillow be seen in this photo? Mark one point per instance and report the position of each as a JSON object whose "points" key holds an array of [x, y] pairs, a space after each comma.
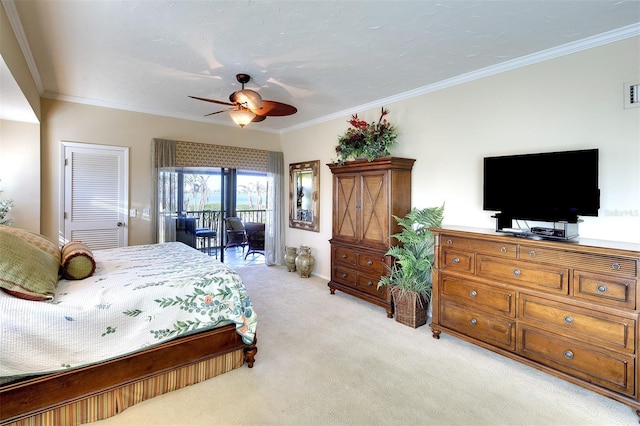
{"points": [[77, 261], [26, 271]]}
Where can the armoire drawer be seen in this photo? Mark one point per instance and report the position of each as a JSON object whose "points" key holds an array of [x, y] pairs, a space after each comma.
{"points": [[371, 263], [605, 289], [609, 369], [345, 256], [548, 278], [493, 329], [488, 298], [344, 275], [369, 284], [592, 327], [502, 249]]}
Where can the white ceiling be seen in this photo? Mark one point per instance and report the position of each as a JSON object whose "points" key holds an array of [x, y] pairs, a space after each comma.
{"points": [[327, 58]]}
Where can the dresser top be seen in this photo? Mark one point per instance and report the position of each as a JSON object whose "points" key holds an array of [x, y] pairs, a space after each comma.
{"points": [[633, 249]]}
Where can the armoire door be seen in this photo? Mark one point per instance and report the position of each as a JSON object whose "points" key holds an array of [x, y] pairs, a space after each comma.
{"points": [[346, 208], [375, 213]]}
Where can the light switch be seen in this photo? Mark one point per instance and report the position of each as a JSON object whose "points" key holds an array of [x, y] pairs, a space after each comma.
{"points": [[145, 212], [133, 213]]}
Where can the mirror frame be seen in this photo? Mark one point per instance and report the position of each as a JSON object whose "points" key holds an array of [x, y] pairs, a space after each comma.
{"points": [[294, 170]]}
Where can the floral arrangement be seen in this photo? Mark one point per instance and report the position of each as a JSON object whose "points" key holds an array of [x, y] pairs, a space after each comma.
{"points": [[370, 140]]}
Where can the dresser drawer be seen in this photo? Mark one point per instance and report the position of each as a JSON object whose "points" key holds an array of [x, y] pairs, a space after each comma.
{"points": [[480, 246], [474, 323], [582, 261], [487, 298], [605, 289], [609, 369], [592, 327], [548, 278], [461, 261]]}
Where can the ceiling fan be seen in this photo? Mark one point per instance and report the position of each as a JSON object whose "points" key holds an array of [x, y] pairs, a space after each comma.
{"points": [[247, 105]]}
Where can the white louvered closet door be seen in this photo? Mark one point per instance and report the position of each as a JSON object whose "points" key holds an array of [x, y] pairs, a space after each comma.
{"points": [[96, 182]]}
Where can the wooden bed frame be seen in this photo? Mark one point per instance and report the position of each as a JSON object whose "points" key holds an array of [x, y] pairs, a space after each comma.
{"points": [[100, 391]]}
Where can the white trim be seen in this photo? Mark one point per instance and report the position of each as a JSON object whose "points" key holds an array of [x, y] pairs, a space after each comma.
{"points": [[16, 25]]}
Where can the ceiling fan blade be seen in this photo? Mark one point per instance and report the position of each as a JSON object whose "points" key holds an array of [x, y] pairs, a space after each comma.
{"points": [[211, 100], [258, 118], [217, 112], [274, 109]]}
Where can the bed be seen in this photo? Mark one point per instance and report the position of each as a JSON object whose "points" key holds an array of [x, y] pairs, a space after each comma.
{"points": [[147, 320]]}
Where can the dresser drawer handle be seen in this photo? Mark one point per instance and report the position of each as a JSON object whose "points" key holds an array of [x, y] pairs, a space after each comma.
{"points": [[568, 319], [473, 293], [344, 256], [473, 321], [568, 354], [369, 262], [456, 260], [449, 242], [615, 266], [602, 288], [532, 253], [344, 275], [503, 249], [369, 283], [517, 272]]}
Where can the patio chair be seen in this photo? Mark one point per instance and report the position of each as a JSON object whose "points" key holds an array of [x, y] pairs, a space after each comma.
{"points": [[236, 235], [255, 238], [208, 230]]}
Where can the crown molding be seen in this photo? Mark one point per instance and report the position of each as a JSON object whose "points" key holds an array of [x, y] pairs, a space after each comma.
{"points": [[16, 26]]}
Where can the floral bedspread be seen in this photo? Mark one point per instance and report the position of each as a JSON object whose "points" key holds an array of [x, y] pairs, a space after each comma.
{"points": [[139, 296]]}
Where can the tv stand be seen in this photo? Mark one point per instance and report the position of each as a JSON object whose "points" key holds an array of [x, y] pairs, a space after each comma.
{"points": [[561, 231]]}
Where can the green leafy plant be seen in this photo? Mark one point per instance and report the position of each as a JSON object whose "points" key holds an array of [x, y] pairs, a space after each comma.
{"points": [[411, 271], [370, 140], [5, 206]]}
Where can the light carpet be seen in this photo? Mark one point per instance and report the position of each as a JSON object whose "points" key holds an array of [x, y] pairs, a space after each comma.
{"points": [[335, 360]]}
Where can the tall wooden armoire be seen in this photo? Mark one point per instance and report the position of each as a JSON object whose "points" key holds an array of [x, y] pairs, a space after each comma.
{"points": [[366, 195]]}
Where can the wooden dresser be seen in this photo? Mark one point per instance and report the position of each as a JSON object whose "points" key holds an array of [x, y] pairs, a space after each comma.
{"points": [[365, 196], [567, 308]]}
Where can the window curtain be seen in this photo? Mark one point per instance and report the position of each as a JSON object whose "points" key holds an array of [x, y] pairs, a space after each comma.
{"points": [[274, 228], [165, 190]]}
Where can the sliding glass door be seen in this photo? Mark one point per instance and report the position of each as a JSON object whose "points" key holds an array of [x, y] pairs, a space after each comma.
{"points": [[207, 196]]}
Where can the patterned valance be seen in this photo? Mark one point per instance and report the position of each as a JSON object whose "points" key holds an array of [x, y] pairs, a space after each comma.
{"points": [[192, 154]]}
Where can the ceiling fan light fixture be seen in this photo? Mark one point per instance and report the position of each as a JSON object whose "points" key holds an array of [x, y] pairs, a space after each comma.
{"points": [[241, 116], [248, 98]]}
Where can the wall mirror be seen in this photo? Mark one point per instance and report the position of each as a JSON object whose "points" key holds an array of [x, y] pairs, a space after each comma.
{"points": [[304, 194]]}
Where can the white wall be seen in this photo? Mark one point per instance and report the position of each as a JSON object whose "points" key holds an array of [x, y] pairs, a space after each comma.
{"points": [[571, 102], [65, 121], [20, 172]]}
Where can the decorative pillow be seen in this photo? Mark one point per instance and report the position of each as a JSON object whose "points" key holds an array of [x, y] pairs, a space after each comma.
{"points": [[37, 240], [26, 271], [77, 261]]}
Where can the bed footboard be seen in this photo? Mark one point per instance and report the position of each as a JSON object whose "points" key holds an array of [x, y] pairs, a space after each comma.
{"points": [[100, 391]]}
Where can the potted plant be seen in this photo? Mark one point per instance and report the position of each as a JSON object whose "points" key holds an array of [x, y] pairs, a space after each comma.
{"points": [[409, 278], [366, 140]]}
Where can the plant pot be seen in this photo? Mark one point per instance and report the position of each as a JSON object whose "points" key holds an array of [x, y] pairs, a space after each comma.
{"points": [[410, 308]]}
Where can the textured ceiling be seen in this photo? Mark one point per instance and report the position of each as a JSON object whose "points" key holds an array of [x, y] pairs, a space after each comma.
{"points": [[324, 57]]}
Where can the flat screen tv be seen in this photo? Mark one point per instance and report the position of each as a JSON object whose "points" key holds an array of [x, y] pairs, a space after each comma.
{"points": [[550, 186]]}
